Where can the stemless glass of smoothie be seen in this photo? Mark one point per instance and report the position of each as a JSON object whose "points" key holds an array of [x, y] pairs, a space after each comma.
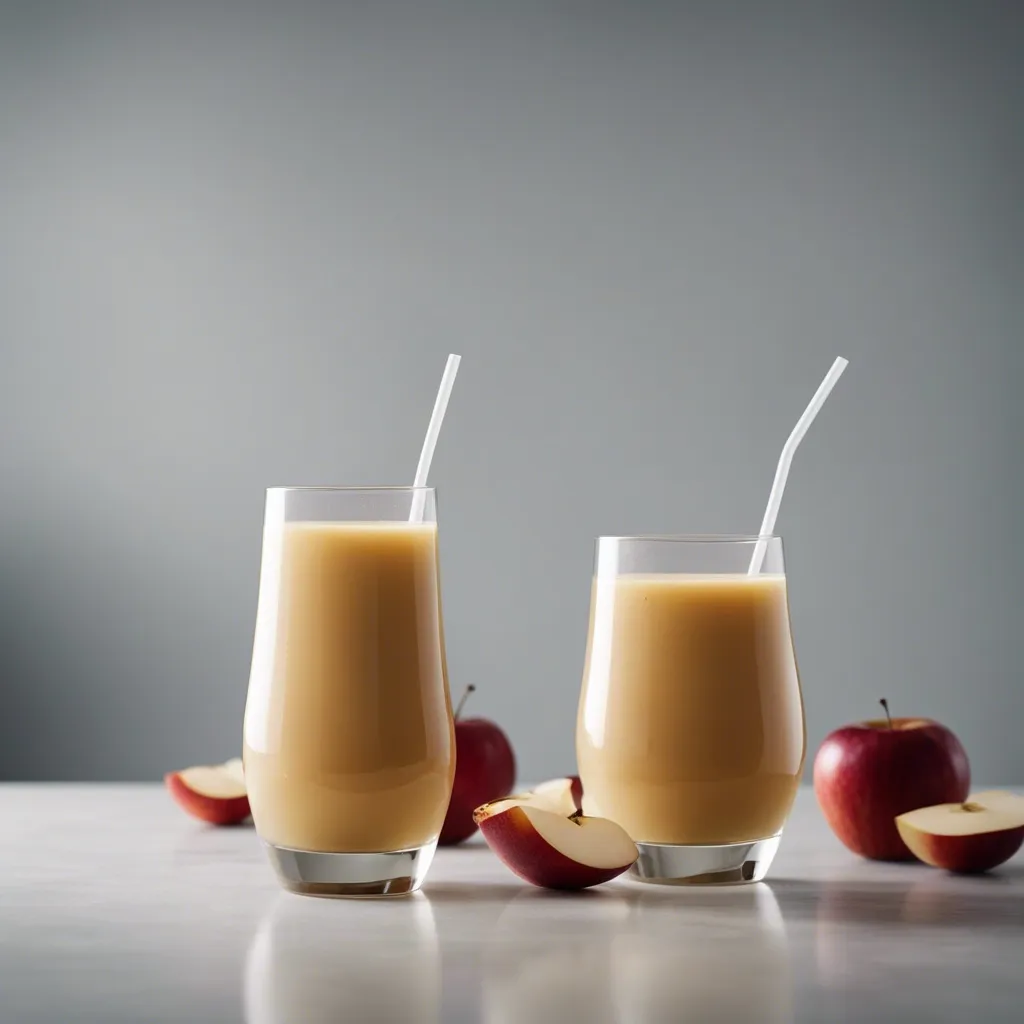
{"points": [[690, 732], [348, 740]]}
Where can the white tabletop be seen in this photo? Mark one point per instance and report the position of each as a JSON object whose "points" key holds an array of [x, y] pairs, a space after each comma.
{"points": [[114, 907]]}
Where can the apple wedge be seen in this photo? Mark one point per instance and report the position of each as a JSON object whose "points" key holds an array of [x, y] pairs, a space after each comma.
{"points": [[553, 850], [979, 834], [235, 769], [562, 795], [212, 793]]}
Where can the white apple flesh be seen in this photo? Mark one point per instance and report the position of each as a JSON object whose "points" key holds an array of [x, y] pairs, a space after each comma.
{"points": [[235, 769], [977, 835], [563, 796]]}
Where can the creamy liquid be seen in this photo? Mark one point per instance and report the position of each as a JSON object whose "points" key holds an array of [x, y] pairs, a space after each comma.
{"points": [[349, 743], [690, 727]]}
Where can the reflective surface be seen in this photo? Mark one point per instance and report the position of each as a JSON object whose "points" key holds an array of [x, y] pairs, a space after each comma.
{"points": [[115, 907]]}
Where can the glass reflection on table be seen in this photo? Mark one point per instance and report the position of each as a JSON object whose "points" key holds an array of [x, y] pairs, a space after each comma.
{"points": [[639, 955], [318, 961], [720, 955]]}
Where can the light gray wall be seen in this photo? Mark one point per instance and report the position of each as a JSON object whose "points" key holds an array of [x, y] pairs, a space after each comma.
{"points": [[235, 248]]}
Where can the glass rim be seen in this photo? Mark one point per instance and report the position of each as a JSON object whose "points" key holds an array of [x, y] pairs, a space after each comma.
{"points": [[695, 538], [357, 489]]}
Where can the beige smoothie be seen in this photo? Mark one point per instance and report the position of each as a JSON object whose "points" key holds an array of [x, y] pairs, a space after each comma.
{"points": [[348, 742], [690, 727]]}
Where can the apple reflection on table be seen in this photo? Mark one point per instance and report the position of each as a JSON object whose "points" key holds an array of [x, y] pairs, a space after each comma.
{"points": [[643, 955], [548, 958], [310, 964]]}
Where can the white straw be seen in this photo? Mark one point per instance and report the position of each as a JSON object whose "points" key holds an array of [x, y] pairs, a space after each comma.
{"points": [[444, 392], [786, 460]]}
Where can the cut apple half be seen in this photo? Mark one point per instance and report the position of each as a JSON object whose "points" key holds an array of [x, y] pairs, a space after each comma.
{"points": [[212, 793], [553, 850], [976, 835]]}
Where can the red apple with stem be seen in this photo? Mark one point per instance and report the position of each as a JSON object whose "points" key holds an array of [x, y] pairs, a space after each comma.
{"points": [[485, 769], [866, 775]]}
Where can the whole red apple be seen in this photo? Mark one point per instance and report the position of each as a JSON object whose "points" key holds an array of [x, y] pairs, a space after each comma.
{"points": [[866, 775], [485, 769]]}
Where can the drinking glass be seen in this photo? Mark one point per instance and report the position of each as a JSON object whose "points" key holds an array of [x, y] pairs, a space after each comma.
{"points": [[690, 731], [348, 740]]}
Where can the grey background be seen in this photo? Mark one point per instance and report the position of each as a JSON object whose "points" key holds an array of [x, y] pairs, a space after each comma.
{"points": [[236, 246]]}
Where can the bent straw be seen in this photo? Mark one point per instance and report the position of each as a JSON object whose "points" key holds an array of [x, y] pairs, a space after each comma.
{"points": [[786, 460], [444, 392]]}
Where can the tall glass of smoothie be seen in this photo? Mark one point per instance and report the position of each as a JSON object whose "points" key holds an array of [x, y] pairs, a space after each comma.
{"points": [[348, 739], [690, 732]]}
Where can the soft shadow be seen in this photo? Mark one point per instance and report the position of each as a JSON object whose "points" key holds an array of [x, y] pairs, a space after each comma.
{"points": [[471, 891], [926, 897], [199, 844], [566, 895]]}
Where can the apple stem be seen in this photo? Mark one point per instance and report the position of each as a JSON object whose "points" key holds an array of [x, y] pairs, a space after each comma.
{"points": [[458, 711], [885, 704], [575, 816]]}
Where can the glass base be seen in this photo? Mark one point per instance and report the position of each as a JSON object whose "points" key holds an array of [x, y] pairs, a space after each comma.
{"points": [[341, 875], [732, 864]]}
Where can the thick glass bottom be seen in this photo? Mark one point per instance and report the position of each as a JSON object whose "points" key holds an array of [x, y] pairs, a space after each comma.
{"points": [[347, 875], [731, 864]]}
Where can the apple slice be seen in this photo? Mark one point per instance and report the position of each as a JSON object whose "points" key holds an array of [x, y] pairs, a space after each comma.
{"points": [[985, 830], [212, 793], [563, 796], [235, 769], [999, 799], [554, 850]]}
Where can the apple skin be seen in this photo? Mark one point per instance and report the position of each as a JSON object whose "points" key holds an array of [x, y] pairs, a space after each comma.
{"points": [[213, 810], [868, 774], [527, 854], [485, 770]]}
